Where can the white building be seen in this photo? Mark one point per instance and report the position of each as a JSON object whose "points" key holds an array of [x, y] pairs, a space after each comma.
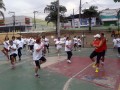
{"points": [[109, 17], [21, 23]]}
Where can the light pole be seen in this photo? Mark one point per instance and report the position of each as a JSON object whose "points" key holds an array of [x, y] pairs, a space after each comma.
{"points": [[79, 13], [118, 14], [58, 20], [35, 19], [80, 9], [13, 21]]}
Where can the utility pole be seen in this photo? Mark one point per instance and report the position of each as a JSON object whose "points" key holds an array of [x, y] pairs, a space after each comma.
{"points": [[13, 21], [118, 14], [58, 20], [79, 13], [73, 20], [35, 19]]}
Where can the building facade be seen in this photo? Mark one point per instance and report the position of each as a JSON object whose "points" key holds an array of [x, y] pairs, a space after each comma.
{"points": [[16, 24], [109, 17]]}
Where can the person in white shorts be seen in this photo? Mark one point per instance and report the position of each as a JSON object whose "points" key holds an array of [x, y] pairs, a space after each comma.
{"points": [[58, 46], [79, 43], [114, 42], [38, 56], [75, 42]]}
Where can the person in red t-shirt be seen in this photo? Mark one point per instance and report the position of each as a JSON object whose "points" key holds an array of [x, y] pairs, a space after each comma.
{"points": [[97, 51], [104, 47]]}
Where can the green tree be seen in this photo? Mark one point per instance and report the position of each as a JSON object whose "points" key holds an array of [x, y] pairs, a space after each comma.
{"points": [[116, 0], [89, 13], [2, 6], [52, 10]]}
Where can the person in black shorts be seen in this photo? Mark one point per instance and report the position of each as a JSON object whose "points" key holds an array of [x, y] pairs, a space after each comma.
{"points": [[13, 53], [38, 56]]}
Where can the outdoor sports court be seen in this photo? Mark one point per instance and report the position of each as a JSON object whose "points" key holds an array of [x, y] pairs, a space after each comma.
{"points": [[57, 74]]}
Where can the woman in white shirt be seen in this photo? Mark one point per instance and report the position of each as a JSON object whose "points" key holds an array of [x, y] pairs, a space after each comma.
{"points": [[58, 46], [79, 42], [75, 42], [38, 56], [68, 49], [6, 47], [13, 53], [115, 42]]}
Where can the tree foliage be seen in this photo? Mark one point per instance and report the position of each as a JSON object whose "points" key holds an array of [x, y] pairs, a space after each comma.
{"points": [[2, 6], [116, 0], [89, 13], [52, 9]]}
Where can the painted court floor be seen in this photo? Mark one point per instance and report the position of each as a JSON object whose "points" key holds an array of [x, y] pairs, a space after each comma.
{"points": [[57, 74]]}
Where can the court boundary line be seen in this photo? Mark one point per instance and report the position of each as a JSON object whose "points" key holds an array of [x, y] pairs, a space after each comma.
{"points": [[66, 85]]}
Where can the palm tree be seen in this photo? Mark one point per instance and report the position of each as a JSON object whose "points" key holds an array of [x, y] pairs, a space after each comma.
{"points": [[52, 10], [116, 0], [89, 13], [2, 6]]}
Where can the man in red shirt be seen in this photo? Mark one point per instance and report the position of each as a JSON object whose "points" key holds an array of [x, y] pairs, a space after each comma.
{"points": [[104, 47]]}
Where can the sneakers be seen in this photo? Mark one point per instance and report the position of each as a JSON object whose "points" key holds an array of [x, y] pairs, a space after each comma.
{"points": [[102, 63], [97, 70], [94, 65], [36, 75], [68, 61]]}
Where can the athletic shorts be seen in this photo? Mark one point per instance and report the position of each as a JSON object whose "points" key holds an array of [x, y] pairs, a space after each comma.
{"points": [[47, 46], [79, 45], [103, 53], [75, 45], [13, 55], [37, 62], [31, 47], [98, 54]]}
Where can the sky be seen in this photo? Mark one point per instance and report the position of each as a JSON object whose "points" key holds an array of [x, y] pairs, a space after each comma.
{"points": [[26, 7]]}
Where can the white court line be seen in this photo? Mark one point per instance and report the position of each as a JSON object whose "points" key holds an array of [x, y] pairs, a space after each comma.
{"points": [[69, 80]]}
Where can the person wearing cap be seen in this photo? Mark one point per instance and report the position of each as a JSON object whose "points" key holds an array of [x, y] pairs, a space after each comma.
{"points": [[97, 51]]}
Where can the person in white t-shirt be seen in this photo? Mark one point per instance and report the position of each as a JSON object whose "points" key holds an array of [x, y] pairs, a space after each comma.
{"points": [[55, 40], [47, 44], [20, 46], [114, 42], [31, 43], [58, 46], [44, 48], [13, 53], [118, 45], [5, 49], [38, 56], [68, 49], [75, 42], [79, 43]]}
